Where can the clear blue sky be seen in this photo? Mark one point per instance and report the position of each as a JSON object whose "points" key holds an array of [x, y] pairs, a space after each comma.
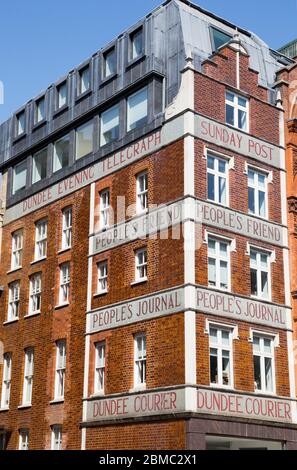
{"points": [[41, 40]]}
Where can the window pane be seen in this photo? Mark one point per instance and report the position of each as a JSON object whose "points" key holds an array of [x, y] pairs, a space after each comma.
{"points": [[219, 38], [226, 367], [230, 97], [110, 63], [268, 374], [222, 166], [222, 190], [261, 180], [84, 80], [254, 289], [210, 163], [213, 366], [262, 204], [61, 153], [257, 372], [110, 122], [242, 119], [224, 274], [213, 334], [84, 140], [20, 176], [264, 261], [251, 196], [256, 344], [211, 247], [225, 338], [62, 95], [136, 44], [264, 284], [40, 110], [267, 345], [251, 177], [230, 115], [137, 109], [20, 123], [223, 249], [253, 257], [39, 166], [242, 102], [211, 272], [211, 187]]}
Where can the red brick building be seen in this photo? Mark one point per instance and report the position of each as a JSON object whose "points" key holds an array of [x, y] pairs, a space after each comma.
{"points": [[286, 86], [146, 297]]}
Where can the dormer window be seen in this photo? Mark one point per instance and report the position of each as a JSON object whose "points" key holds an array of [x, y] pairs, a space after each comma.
{"points": [[109, 66], [84, 80], [136, 44], [219, 38], [39, 110], [61, 95], [20, 123]]}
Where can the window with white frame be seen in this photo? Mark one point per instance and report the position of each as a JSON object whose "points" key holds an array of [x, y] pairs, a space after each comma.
{"points": [[237, 109], [110, 125], [136, 44], [140, 360], [56, 437], [61, 153], [66, 228], [104, 208], [6, 380], [102, 277], [137, 109], [23, 439], [99, 381], [60, 369], [61, 95], [109, 63], [19, 176], [17, 249], [28, 376], [64, 283], [219, 263], [35, 294], [13, 301], [260, 274], [257, 193], [40, 239], [39, 169], [84, 80], [20, 123], [39, 110], [141, 264], [263, 352], [220, 350], [217, 179], [142, 192]]}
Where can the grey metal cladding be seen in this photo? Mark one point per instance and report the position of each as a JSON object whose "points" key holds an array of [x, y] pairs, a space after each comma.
{"points": [[173, 32]]}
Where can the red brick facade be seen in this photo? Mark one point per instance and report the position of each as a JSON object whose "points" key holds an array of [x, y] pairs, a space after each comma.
{"points": [[168, 352], [286, 86]]}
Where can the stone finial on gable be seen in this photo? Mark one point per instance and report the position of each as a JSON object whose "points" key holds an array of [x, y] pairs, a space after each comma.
{"points": [[236, 44]]}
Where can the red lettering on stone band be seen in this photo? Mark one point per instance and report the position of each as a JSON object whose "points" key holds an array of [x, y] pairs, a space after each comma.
{"points": [[215, 402]]}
